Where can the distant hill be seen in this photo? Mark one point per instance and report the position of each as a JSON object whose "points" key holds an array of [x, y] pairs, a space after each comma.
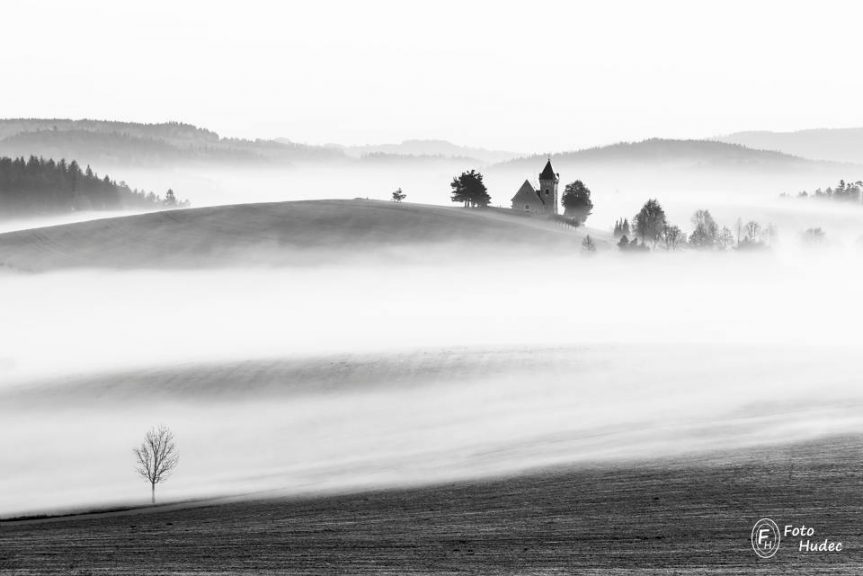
{"points": [[691, 165], [111, 144], [658, 152], [428, 149], [284, 233], [837, 145]]}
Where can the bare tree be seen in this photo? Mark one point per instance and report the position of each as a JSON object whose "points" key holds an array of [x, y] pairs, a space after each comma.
{"points": [[673, 237], [157, 457], [753, 231]]}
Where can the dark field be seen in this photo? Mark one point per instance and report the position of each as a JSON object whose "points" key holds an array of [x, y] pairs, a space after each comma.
{"points": [[684, 516]]}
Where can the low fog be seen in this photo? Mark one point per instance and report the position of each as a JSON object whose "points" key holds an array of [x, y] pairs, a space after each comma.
{"points": [[536, 361], [619, 189], [344, 374]]}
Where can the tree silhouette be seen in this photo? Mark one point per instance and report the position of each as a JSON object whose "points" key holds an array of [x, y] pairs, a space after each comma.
{"points": [[170, 199], [649, 223], [705, 230], [157, 457], [576, 201], [470, 190], [398, 195], [673, 237]]}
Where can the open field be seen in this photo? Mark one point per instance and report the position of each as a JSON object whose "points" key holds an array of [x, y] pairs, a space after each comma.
{"points": [[278, 233], [323, 424], [689, 516]]}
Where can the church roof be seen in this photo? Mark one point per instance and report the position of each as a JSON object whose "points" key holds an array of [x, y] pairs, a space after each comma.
{"points": [[547, 172], [527, 194]]}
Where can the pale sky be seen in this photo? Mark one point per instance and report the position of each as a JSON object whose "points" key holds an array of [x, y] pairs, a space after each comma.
{"points": [[527, 76]]}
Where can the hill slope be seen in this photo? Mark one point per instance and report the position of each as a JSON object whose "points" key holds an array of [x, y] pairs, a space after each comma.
{"points": [[306, 232], [837, 145], [438, 148], [108, 143], [679, 153]]}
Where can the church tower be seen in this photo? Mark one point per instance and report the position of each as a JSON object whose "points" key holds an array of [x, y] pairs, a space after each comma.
{"points": [[548, 180]]}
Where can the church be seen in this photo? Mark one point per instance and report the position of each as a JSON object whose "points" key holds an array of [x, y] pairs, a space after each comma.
{"points": [[542, 200]]}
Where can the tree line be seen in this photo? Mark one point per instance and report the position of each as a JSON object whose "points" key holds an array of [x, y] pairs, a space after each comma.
{"points": [[650, 228], [844, 192], [40, 186]]}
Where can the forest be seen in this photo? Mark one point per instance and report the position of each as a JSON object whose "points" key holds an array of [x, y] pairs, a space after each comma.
{"points": [[38, 186]]}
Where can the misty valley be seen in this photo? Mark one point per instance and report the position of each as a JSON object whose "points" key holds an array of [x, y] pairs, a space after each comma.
{"points": [[470, 288]]}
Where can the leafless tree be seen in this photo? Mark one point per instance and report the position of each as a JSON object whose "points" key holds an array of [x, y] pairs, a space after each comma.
{"points": [[157, 457], [753, 231]]}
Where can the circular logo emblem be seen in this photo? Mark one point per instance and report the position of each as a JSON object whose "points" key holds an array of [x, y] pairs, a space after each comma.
{"points": [[765, 538]]}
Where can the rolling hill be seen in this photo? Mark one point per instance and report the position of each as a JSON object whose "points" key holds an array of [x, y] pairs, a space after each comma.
{"points": [[692, 166], [426, 148], [306, 232], [681, 154], [837, 145], [673, 517], [108, 143]]}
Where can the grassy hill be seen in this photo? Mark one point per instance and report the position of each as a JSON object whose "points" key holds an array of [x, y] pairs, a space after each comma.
{"points": [[306, 232]]}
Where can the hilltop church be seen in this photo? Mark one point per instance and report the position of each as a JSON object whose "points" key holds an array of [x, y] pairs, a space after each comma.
{"points": [[542, 200]]}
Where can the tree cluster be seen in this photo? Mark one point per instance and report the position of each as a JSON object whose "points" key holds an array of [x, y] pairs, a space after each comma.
{"points": [[469, 189], [844, 192], [650, 226], [40, 186], [621, 228]]}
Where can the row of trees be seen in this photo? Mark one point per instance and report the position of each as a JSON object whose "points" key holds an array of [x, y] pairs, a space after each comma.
{"points": [[40, 186], [651, 226], [844, 192]]}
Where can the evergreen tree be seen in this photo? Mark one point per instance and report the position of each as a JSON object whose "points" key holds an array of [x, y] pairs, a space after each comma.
{"points": [[39, 186]]}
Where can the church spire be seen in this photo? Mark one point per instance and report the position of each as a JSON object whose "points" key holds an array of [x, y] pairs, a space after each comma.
{"points": [[547, 172]]}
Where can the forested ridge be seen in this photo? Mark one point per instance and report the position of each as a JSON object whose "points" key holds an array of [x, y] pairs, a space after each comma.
{"points": [[45, 186]]}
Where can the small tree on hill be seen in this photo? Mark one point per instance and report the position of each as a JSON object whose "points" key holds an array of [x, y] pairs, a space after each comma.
{"points": [[170, 198], [576, 201], [157, 457], [470, 190], [398, 195], [588, 245], [649, 222]]}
